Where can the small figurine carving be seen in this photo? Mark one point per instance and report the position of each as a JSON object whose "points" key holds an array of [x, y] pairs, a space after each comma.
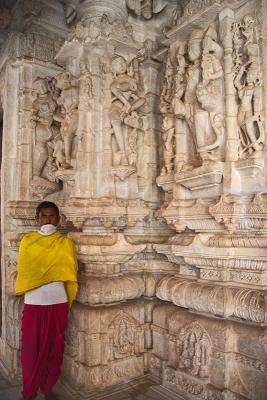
{"points": [[168, 143], [167, 90], [147, 52], [194, 350], [123, 336], [146, 8], [58, 152], [150, 8]]}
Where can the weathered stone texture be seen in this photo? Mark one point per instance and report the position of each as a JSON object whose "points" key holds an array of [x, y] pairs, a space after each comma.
{"points": [[145, 122]]}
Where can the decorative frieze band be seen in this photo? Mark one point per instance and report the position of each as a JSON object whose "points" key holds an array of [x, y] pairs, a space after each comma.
{"points": [[245, 304]]}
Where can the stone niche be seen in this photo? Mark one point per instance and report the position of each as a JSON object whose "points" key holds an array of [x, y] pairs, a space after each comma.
{"points": [[145, 122]]}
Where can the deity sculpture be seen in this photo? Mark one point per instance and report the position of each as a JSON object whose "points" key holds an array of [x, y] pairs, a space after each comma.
{"points": [[194, 350], [125, 104], [86, 87], [181, 64], [166, 93], [193, 76], [44, 107], [209, 118], [168, 143], [248, 83], [124, 337], [198, 96], [68, 113], [184, 99], [178, 106]]}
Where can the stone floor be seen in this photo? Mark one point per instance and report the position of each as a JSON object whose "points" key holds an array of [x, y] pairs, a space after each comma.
{"points": [[144, 389]]}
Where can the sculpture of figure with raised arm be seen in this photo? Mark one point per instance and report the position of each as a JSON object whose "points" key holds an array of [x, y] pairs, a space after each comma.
{"points": [[44, 107], [125, 103]]}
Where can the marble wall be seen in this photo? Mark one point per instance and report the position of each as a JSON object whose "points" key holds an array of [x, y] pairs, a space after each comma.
{"points": [[144, 120]]}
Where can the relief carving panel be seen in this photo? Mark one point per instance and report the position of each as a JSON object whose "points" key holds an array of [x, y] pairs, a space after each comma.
{"points": [[147, 129]]}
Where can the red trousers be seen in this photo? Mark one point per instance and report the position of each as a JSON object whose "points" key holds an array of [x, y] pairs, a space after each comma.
{"points": [[42, 346]]}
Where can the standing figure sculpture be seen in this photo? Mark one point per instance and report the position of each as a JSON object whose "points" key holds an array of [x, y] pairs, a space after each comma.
{"points": [[125, 103], [210, 95], [44, 107], [168, 143], [248, 84], [68, 115], [198, 100], [178, 106], [167, 89], [184, 102]]}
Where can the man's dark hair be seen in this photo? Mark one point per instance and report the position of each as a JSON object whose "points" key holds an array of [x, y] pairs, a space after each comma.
{"points": [[46, 204]]}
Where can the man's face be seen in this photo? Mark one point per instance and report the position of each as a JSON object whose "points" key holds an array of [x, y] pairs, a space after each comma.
{"points": [[47, 216]]}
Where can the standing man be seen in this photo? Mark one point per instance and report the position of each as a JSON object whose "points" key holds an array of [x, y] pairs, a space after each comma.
{"points": [[47, 276]]}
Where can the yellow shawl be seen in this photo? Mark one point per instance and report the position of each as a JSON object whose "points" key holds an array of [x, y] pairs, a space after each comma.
{"points": [[45, 259]]}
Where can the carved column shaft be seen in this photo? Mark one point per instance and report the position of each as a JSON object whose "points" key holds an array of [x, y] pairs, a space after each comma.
{"points": [[226, 18]]}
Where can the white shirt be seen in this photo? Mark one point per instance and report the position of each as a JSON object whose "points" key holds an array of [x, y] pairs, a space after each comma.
{"points": [[52, 293]]}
